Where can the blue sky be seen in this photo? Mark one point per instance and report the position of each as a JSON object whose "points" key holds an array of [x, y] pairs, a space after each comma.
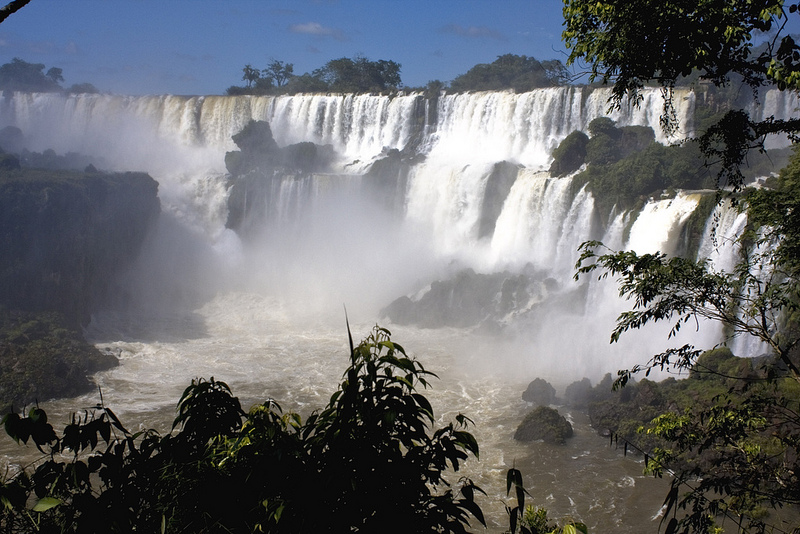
{"points": [[200, 46]]}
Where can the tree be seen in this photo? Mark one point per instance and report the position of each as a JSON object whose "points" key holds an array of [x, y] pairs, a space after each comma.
{"points": [[509, 71], [738, 457], [661, 41], [306, 83], [370, 461], [19, 75], [279, 72], [83, 88], [11, 8], [250, 75], [55, 74], [752, 433], [360, 75]]}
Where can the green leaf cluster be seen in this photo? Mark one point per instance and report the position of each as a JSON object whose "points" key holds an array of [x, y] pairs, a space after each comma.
{"points": [[530, 519], [371, 461]]}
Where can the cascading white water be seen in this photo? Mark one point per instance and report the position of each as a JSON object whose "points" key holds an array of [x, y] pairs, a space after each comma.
{"points": [[658, 225], [258, 312], [720, 237], [779, 105], [542, 223]]}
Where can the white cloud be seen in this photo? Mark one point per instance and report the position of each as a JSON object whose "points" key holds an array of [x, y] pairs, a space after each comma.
{"points": [[317, 29]]}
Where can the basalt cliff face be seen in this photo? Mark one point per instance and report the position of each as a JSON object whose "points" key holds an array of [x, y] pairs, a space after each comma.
{"points": [[65, 236]]}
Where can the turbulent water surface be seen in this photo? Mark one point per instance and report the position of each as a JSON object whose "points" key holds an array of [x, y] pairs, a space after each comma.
{"points": [[266, 314]]}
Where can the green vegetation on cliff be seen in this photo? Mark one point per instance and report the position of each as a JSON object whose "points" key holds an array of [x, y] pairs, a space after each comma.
{"points": [[625, 165]]}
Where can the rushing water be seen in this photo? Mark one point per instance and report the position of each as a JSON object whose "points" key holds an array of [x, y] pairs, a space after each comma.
{"points": [[266, 315]]}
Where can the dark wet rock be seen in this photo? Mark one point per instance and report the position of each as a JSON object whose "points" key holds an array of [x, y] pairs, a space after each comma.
{"points": [[468, 299], [546, 424], [540, 392]]}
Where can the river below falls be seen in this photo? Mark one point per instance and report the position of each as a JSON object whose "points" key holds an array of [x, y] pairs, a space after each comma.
{"points": [[263, 350]]}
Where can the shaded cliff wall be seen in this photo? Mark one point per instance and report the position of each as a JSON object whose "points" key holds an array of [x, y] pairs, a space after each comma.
{"points": [[65, 235]]}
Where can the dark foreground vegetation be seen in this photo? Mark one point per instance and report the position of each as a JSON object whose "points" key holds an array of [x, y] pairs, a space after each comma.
{"points": [[370, 461]]}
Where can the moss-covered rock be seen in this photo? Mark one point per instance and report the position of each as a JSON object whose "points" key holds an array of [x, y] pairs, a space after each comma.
{"points": [[546, 424], [42, 358], [570, 154]]}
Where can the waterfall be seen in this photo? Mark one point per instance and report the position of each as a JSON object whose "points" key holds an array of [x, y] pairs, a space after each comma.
{"points": [[657, 227], [542, 223], [719, 243], [777, 104], [474, 192], [447, 196]]}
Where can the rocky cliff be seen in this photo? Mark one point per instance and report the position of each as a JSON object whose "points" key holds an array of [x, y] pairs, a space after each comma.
{"points": [[64, 236]]}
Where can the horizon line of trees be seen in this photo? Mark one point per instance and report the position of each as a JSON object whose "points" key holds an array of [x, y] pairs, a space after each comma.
{"points": [[361, 75], [19, 75]]}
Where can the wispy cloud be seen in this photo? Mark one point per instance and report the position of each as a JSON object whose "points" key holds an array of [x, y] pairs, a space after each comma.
{"points": [[317, 29], [473, 32]]}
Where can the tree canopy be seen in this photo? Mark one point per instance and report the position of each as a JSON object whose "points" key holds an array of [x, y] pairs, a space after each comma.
{"points": [[362, 75], [343, 75], [510, 71], [19, 75]]}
